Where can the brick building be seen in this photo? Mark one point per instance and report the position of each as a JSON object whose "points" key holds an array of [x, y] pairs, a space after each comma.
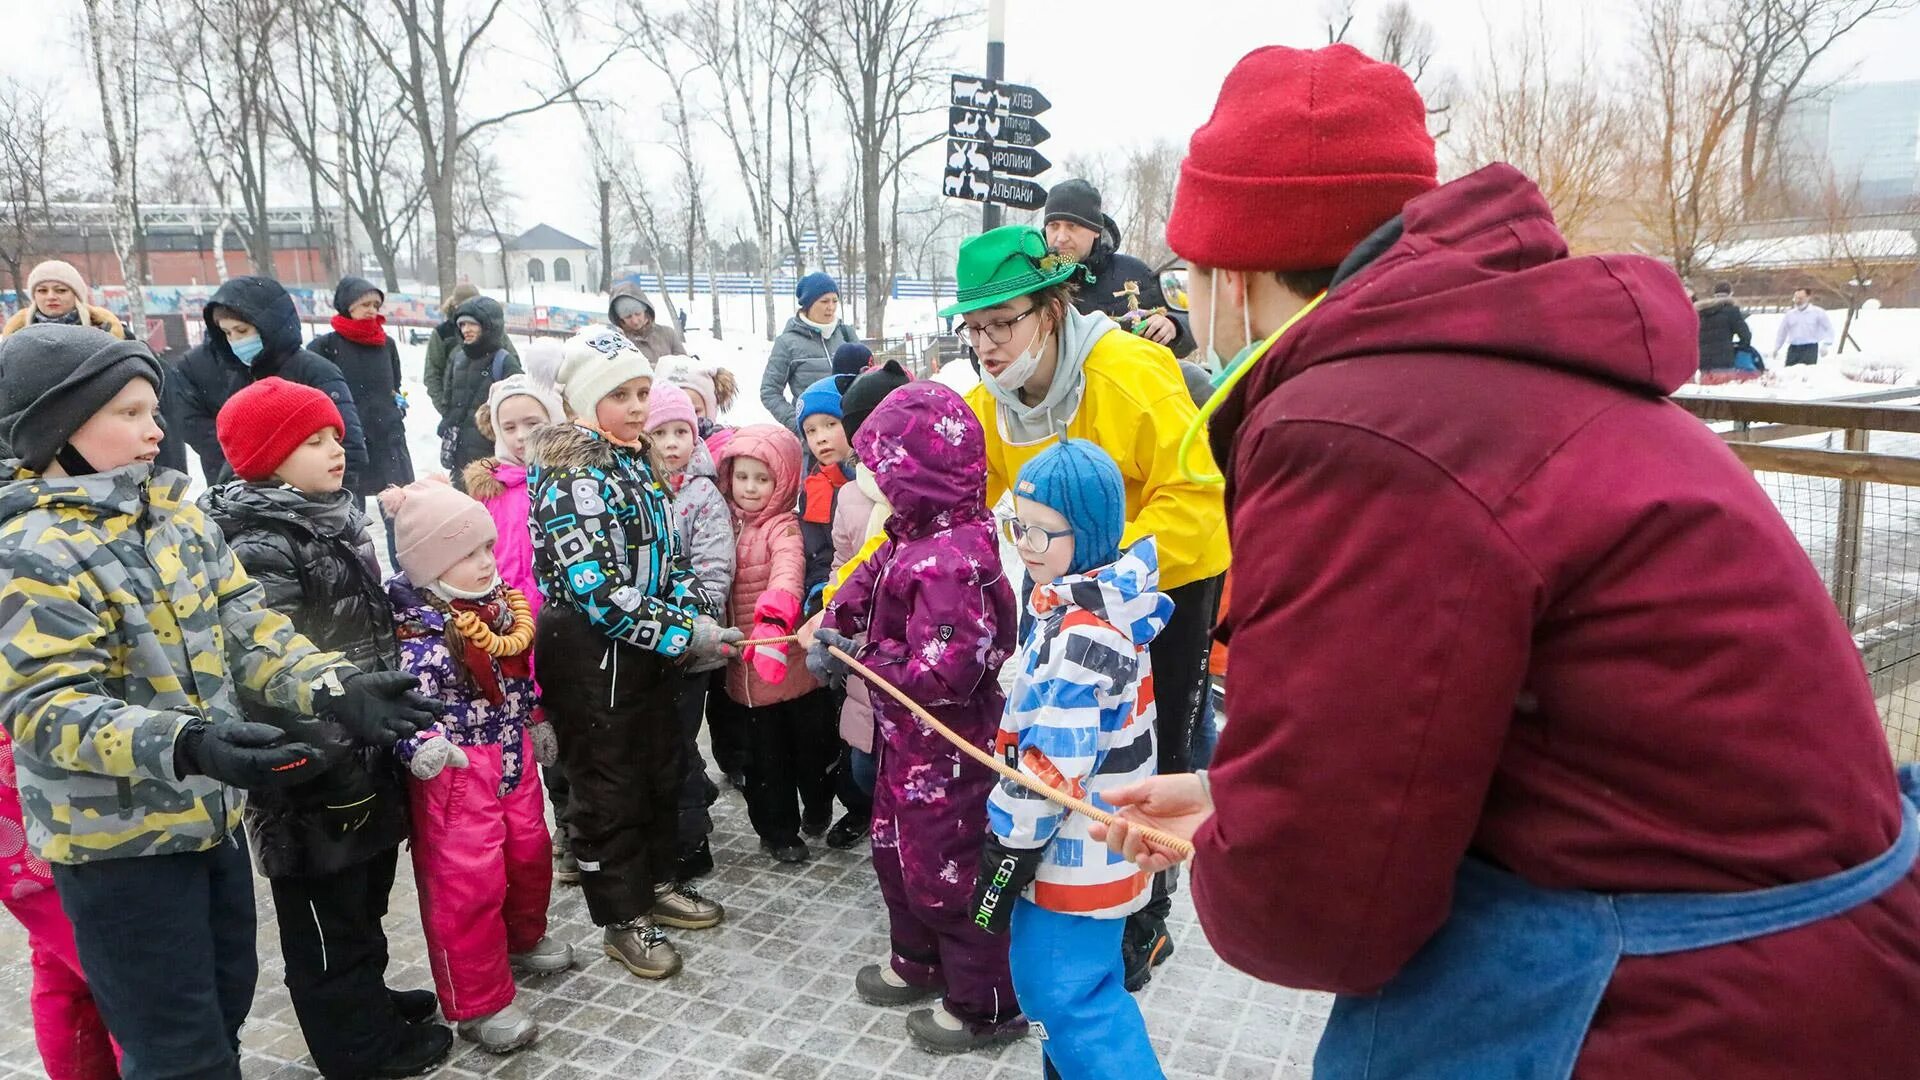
{"points": [[179, 244]]}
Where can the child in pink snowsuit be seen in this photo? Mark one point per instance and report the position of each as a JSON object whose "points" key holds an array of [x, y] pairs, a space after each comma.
{"points": [[480, 840], [66, 1025], [938, 614]]}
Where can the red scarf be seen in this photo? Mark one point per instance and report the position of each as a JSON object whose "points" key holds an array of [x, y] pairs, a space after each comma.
{"points": [[487, 671], [362, 331]]}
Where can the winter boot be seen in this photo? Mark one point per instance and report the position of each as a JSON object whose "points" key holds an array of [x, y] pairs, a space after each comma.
{"points": [[414, 1006], [938, 1031], [1144, 945], [642, 948], [549, 956], [848, 831], [679, 906], [502, 1032], [791, 850], [422, 1048], [566, 869], [878, 984]]}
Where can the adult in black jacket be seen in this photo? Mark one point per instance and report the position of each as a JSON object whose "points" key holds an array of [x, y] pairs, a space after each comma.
{"points": [[472, 368], [1723, 326], [213, 372], [329, 847], [1076, 228], [444, 340], [359, 346]]}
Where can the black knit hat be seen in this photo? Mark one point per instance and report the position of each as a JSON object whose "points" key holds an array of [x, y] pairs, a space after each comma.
{"points": [[54, 377], [868, 391], [1076, 201]]}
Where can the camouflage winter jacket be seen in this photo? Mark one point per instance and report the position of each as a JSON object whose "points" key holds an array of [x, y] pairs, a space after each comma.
{"points": [[122, 615]]}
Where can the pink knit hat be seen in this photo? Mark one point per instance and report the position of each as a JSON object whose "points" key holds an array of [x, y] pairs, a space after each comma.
{"points": [[666, 404], [435, 527]]}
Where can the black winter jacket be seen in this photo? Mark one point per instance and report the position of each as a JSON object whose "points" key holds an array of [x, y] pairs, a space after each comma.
{"points": [[1722, 325], [1111, 271], [373, 377], [212, 373], [468, 378], [316, 562]]}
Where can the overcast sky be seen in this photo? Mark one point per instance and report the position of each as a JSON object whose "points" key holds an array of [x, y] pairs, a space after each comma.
{"points": [[1119, 73]]}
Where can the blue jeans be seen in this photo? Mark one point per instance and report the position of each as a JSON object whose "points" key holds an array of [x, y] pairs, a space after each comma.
{"points": [[1068, 975], [167, 945], [865, 770]]}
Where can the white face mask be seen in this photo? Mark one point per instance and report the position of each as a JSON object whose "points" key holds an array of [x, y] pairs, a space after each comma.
{"points": [[1015, 375], [447, 592]]}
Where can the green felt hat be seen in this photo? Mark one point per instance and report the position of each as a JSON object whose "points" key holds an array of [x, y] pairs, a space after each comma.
{"points": [[1010, 261]]}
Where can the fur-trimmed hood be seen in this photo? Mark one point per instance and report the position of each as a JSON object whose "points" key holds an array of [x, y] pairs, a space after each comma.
{"points": [[480, 481], [569, 446]]}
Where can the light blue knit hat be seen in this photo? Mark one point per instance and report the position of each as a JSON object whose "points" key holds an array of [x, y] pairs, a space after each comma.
{"points": [[1081, 481]]}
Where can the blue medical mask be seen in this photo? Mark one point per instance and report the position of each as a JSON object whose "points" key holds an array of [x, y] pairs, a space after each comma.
{"points": [[247, 349]]}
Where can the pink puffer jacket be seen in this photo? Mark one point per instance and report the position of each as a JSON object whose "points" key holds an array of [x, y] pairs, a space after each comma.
{"points": [[770, 558]]}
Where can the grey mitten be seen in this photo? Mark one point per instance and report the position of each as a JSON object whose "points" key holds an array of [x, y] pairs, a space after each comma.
{"points": [[711, 641], [546, 745], [829, 669], [434, 755]]}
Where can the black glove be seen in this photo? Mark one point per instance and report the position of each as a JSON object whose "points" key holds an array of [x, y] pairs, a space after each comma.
{"points": [[829, 669], [244, 755], [379, 708], [1005, 873]]}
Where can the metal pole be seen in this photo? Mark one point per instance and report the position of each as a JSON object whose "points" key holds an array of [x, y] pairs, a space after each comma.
{"points": [[996, 71]]}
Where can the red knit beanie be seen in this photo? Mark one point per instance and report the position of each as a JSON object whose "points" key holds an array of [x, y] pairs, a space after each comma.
{"points": [[259, 426], [1307, 151]]}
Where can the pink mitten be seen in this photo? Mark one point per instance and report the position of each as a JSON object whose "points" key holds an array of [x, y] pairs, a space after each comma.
{"points": [[773, 616]]}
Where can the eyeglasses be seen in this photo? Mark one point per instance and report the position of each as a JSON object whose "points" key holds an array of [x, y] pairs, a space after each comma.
{"points": [[999, 331], [1031, 539]]}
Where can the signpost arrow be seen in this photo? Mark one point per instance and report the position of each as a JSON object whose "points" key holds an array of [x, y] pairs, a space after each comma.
{"points": [[1015, 160], [1024, 100], [1024, 194], [1005, 130]]}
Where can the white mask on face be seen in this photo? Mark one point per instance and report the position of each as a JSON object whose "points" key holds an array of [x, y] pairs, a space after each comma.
{"points": [[447, 592], [1214, 360], [1015, 375]]}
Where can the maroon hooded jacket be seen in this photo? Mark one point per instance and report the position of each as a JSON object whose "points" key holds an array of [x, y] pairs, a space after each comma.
{"points": [[1508, 599]]}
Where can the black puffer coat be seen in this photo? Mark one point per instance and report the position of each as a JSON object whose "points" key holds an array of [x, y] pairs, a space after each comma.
{"points": [[313, 557], [470, 374], [373, 377], [1722, 326], [1112, 270], [212, 373]]}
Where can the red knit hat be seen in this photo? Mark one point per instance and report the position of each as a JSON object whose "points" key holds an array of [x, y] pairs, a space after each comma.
{"points": [[1307, 151], [259, 426]]}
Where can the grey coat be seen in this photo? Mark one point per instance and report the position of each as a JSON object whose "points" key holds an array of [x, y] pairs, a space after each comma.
{"points": [[800, 358], [705, 523]]}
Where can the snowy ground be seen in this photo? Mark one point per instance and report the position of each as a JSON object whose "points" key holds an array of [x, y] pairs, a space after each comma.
{"points": [[1888, 357]]}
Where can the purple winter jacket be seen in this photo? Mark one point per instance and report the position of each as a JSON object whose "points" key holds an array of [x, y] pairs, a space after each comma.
{"points": [[938, 612]]}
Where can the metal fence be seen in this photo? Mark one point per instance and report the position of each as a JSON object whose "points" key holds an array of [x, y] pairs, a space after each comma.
{"points": [[1846, 476]]}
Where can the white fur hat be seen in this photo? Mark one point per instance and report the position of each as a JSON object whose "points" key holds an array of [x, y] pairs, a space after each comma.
{"points": [[594, 362]]}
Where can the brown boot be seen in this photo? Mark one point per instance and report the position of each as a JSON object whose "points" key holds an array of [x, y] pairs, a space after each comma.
{"points": [[642, 948], [680, 906]]}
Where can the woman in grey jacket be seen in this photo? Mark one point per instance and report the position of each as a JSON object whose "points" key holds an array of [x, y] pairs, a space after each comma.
{"points": [[803, 353]]}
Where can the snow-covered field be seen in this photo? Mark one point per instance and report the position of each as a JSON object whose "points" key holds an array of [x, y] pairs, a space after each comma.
{"points": [[1888, 356]]}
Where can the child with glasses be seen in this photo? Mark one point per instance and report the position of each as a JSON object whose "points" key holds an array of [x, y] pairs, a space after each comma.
{"points": [[1079, 718]]}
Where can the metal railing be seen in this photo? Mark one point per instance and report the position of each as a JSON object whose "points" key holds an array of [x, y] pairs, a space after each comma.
{"points": [[1846, 476]]}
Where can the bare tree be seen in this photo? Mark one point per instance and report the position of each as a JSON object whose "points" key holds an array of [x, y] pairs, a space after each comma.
{"points": [[32, 143], [653, 40], [1339, 15], [110, 24], [1784, 41], [1405, 40], [1148, 179], [1553, 114], [1861, 254], [886, 61], [481, 201], [223, 80], [430, 50], [749, 52]]}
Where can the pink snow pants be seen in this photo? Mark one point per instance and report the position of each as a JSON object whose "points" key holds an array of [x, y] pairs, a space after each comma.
{"points": [[481, 864]]}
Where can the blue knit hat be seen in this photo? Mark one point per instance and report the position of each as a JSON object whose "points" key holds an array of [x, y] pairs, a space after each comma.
{"points": [[850, 359], [1080, 481], [822, 397], [813, 287]]}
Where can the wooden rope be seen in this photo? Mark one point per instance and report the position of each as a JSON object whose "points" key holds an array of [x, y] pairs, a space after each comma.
{"points": [[1158, 836], [514, 642]]}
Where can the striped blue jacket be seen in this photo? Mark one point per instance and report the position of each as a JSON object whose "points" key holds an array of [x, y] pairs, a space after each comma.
{"points": [[1080, 717]]}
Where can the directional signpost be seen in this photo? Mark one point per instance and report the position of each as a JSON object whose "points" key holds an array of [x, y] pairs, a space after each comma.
{"points": [[991, 136]]}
